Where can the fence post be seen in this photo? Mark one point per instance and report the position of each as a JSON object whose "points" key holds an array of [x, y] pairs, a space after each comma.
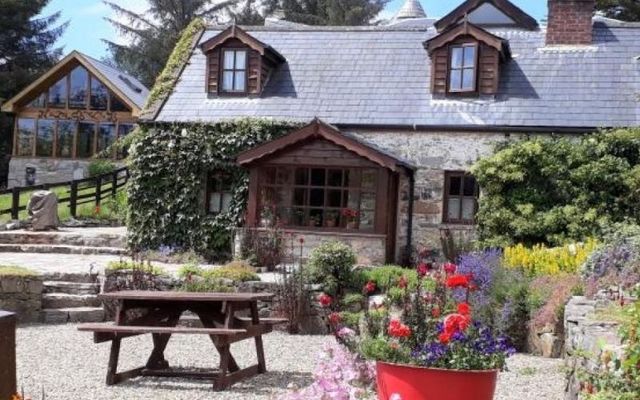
{"points": [[7, 354], [98, 190], [73, 199], [15, 203], [114, 183]]}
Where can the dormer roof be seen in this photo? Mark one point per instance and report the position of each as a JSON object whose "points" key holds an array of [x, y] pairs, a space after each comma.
{"points": [[468, 29], [488, 13], [235, 32]]}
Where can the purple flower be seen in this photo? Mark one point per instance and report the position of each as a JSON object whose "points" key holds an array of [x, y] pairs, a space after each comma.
{"points": [[482, 266]]}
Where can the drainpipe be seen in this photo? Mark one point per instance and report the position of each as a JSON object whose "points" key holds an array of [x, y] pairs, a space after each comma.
{"points": [[409, 246]]}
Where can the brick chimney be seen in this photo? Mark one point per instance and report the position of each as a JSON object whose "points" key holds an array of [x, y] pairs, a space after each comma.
{"points": [[570, 22]]}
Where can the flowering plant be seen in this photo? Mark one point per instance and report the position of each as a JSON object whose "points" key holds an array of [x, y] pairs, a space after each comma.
{"points": [[350, 214], [433, 327]]}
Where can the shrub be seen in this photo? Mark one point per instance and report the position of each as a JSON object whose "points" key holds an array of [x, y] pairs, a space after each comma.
{"points": [[135, 266], [263, 248], [198, 284], [351, 299], [100, 167], [190, 270], [554, 190], [387, 276], [10, 270], [541, 260], [549, 295], [331, 264], [237, 271], [351, 319]]}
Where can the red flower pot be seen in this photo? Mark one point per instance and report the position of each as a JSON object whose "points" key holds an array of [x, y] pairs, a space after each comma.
{"points": [[406, 382]]}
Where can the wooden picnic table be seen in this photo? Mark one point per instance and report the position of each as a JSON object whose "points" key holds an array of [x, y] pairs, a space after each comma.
{"points": [[158, 313]]}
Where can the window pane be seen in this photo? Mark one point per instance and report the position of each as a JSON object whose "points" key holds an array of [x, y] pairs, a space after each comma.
{"points": [[84, 147], [369, 178], [106, 136], [58, 93], [334, 198], [335, 177], [241, 59], [316, 217], [456, 57], [468, 209], [117, 105], [123, 131], [317, 177], [228, 59], [227, 81], [99, 94], [302, 176], [455, 80], [26, 134], [44, 139], [300, 197], [366, 220], [468, 76], [78, 84], [284, 176], [455, 183], [469, 186], [214, 202], [239, 83], [368, 201], [66, 130], [39, 102], [316, 197], [453, 209], [298, 217], [470, 56]]}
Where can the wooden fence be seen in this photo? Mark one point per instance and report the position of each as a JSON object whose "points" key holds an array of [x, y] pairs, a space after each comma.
{"points": [[80, 191], [7, 354]]}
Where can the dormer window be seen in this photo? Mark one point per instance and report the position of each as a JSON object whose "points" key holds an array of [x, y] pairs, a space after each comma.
{"points": [[238, 64], [462, 68], [234, 73]]}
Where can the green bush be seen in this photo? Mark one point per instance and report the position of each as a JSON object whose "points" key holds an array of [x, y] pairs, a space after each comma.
{"points": [[190, 270], [205, 285], [387, 276], [237, 271], [100, 167], [331, 264], [352, 299], [351, 319], [554, 190], [126, 265]]}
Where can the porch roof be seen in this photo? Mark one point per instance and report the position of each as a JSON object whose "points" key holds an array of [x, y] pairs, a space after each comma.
{"points": [[318, 129]]}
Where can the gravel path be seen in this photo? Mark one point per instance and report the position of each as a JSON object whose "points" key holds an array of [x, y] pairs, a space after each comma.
{"points": [[70, 366]]}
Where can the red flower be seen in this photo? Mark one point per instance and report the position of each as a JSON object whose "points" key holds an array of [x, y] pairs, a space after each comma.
{"points": [[444, 338], [435, 312], [458, 281], [325, 300], [398, 330], [464, 309], [456, 323], [335, 318], [370, 287], [423, 268], [301, 240], [450, 268], [403, 282]]}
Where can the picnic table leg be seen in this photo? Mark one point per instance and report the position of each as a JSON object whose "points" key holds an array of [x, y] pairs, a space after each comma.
{"points": [[225, 357], [209, 322], [112, 368], [160, 340], [255, 319]]}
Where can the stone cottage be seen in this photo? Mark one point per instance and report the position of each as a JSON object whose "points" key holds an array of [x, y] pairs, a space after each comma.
{"points": [[75, 110], [398, 113]]}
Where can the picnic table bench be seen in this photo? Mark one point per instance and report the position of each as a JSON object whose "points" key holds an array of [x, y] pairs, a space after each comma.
{"points": [[158, 314]]}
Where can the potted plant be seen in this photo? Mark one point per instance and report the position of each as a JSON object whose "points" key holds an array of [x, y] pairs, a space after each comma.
{"points": [[432, 348], [331, 219], [351, 216]]}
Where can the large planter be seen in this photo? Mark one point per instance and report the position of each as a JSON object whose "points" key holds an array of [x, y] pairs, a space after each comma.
{"points": [[405, 382]]}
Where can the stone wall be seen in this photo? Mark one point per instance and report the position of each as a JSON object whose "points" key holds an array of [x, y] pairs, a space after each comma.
{"points": [[48, 170], [586, 336], [369, 248], [22, 295], [433, 153]]}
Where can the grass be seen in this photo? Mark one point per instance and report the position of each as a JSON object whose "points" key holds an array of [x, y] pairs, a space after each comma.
{"points": [[11, 270], [87, 210], [611, 313]]}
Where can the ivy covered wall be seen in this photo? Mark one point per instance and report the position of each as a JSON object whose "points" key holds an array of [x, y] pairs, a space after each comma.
{"points": [[169, 164]]}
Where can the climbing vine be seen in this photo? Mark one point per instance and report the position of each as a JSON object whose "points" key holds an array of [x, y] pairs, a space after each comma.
{"points": [[169, 164]]}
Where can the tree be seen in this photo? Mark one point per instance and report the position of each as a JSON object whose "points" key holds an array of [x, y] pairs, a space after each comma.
{"points": [[248, 14], [153, 34], [26, 51], [328, 12], [626, 10]]}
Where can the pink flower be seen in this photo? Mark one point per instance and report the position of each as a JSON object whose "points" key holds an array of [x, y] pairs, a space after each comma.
{"points": [[370, 287], [450, 268]]}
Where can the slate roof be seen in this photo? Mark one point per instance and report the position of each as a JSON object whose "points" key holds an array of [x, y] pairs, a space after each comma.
{"points": [[381, 76], [411, 9], [130, 86]]}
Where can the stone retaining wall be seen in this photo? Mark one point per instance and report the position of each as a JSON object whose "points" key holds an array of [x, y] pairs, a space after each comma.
{"points": [[22, 295], [586, 338]]}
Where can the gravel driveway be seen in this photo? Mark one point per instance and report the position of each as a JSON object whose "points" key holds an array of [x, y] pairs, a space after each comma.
{"points": [[68, 365]]}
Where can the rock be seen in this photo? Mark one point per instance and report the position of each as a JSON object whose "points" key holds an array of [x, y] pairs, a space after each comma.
{"points": [[376, 300], [14, 225]]}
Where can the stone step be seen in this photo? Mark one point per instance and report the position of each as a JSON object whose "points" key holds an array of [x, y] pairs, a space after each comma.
{"points": [[71, 287], [65, 300], [61, 237], [73, 315], [64, 277], [59, 249]]}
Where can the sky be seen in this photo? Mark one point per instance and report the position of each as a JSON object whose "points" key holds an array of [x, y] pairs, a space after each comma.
{"points": [[87, 26]]}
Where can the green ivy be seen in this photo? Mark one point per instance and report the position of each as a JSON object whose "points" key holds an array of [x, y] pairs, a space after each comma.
{"points": [[554, 190], [168, 165]]}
